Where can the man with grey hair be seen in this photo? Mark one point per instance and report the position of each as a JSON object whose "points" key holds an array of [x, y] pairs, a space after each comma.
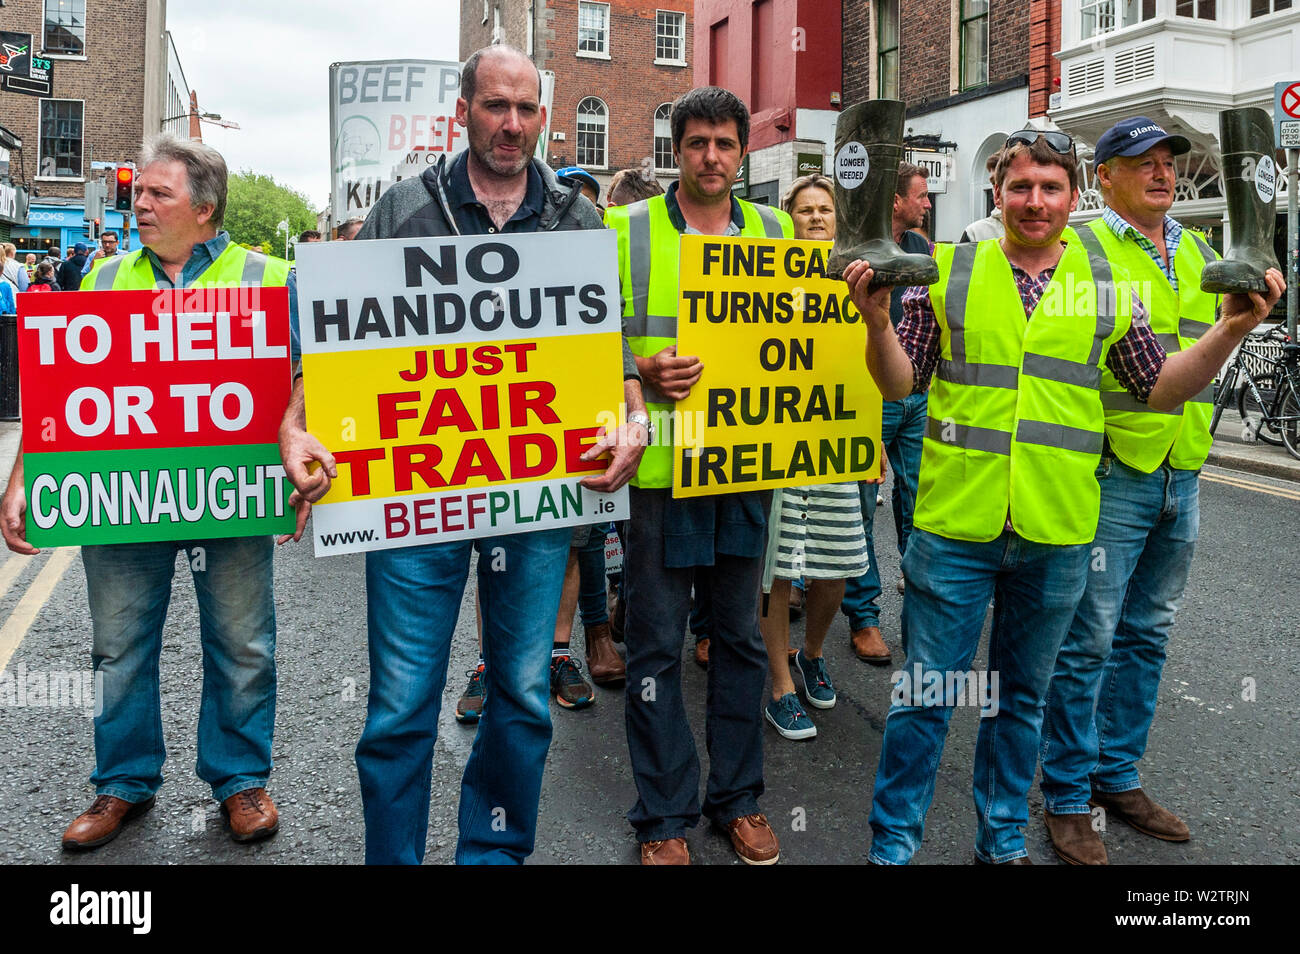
{"points": [[180, 200]]}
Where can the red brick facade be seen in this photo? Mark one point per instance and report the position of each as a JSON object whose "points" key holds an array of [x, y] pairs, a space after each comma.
{"points": [[1044, 40], [110, 80]]}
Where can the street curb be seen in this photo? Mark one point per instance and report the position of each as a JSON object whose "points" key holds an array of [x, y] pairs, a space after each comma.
{"points": [[1285, 469]]}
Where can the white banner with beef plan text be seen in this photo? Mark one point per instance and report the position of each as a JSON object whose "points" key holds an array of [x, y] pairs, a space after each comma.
{"points": [[458, 381]]}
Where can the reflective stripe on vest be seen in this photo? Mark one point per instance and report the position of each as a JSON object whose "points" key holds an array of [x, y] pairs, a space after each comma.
{"points": [[1140, 436], [235, 266], [648, 251], [1015, 419]]}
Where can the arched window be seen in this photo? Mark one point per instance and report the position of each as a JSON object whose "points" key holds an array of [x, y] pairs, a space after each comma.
{"points": [[593, 125], [664, 138]]}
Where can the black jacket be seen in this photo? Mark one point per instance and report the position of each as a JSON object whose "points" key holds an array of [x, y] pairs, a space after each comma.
{"points": [[420, 207], [69, 273]]}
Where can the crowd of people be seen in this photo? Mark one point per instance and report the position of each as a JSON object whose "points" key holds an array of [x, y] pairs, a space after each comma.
{"points": [[1021, 434]]}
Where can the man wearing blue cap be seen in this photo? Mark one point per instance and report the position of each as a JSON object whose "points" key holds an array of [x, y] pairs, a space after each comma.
{"points": [[69, 275], [590, 187], [1103, 691]]}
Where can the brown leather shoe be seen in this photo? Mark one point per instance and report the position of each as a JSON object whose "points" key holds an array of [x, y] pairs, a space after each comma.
{"points": [[670, 852], [1136, 808], [102, 821], [603, 661], [1074, 839], [869, 646], [251, 814], [754, 840], [702, 653]]}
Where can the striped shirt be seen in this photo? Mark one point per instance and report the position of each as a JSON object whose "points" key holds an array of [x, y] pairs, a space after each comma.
{"points": [[1173, 235]]}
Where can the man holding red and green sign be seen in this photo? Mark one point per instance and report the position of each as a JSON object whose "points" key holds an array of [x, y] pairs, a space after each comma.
{"points": [[151, 406]]}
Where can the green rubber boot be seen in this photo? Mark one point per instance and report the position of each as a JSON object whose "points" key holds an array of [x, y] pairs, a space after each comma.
{"points": [[1246, 139], [868, 149]]}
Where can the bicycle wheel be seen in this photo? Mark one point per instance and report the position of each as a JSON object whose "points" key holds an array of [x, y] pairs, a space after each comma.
{"points": [[1291, 428], [1222, 396], [1252, 413]]}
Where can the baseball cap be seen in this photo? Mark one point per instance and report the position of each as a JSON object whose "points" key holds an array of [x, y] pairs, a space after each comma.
{"points": [[581, 175], [1132, 137], [81, 247]]}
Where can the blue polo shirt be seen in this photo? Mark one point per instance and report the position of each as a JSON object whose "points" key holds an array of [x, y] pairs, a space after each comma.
{"points": [[472, 215]]}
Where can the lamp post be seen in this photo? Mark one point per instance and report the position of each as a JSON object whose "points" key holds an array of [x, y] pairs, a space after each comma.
{"points": [[284, 224]]}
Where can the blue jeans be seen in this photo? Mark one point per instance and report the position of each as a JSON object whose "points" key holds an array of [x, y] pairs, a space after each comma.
{"points": [[902, 428], [591, 578], [1035, 588], [413, 598], [1103, 694], [130, 585], [665, 763]]}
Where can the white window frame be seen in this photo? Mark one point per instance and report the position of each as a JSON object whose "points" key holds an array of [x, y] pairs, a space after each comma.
{"points": [[590, 54], [577, 135], [1272, 10], [1117, 12], [655, 137], [681, 37], [85, 40], [40, 142]]}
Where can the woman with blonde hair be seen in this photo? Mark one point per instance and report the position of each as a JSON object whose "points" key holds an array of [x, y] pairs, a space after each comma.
{"points": [[815, 533]]}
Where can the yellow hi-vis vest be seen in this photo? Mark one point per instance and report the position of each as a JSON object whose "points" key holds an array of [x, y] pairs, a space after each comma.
{"points": [[1015, 418], [648, 245], [235, 266], [1139, 435]]}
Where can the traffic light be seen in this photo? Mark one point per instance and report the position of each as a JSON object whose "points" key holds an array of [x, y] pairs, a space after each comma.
{"points": [[125, 188]]}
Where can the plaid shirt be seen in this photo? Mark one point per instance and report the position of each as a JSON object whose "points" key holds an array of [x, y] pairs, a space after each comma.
{"points": [[1135, 359], [1173, 235]]}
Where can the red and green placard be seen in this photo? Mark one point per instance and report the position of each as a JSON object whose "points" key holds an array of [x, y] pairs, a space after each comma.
{"points": [[154, 415]]}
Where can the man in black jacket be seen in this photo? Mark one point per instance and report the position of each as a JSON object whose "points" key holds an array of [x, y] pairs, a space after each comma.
{"points": [[69, 273], [414, 593]]}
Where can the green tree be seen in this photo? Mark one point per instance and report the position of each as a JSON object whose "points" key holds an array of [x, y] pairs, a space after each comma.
{"points": [[256, 204]]}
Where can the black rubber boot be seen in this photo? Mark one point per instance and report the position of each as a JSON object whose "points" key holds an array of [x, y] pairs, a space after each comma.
{"points": [[868, 149], [1246, 139]]}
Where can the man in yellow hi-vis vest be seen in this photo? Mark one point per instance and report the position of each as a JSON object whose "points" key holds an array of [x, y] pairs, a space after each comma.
{"points": [[671, 541], [180, 200], [1103, 693], [1018, 334]]}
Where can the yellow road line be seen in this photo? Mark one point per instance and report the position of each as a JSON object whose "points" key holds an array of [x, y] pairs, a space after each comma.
{"points": [[9, 572], [24, 614], [1251, 485]]}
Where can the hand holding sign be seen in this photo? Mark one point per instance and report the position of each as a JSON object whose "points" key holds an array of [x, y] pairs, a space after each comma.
{"points": [[13, 513], [671, 375]]}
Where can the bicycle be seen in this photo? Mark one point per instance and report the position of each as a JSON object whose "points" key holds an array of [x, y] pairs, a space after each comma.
{"points": [[1272, 396]]}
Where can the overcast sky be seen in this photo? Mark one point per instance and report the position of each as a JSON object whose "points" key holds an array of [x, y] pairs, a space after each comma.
{"points": [[266, 67]]}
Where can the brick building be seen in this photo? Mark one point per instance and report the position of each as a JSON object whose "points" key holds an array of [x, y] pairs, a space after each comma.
{"points": [[970, 72], [617, 67], [116, 79], [783, 58]]}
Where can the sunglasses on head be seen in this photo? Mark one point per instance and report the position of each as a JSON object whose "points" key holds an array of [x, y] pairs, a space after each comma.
{"points": [[1056, 141]]}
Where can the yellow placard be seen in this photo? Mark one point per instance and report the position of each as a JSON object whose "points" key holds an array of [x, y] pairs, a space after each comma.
{"points": [[785, 399], [410, 420]]}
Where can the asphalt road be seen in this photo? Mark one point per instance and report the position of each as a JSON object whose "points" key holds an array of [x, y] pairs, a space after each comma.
{"points": [[1228, 765]]}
